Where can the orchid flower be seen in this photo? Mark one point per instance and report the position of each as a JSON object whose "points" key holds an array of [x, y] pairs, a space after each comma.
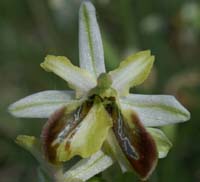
{"points": [[99, 121]]}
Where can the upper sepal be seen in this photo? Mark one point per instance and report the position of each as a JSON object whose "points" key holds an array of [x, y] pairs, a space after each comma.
{"points": [[91, 54]]}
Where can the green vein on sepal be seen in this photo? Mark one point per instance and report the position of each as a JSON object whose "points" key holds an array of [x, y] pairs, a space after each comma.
{"points": [[43, 104], [88, 167], [156, 110], [91, 54]]}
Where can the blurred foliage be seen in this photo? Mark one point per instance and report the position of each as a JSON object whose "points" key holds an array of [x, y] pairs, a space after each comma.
{"points": [[30, 29]]}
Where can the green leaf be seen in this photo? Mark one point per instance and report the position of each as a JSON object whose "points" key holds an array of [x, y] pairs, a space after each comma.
{"points": [[89, 135], [91, 52], [87, 168], [79, 79], [96, 179], [132, 71], [156, 110], [43, 176], [42, 104], [162, 142], [32, 144], [73, 180]]}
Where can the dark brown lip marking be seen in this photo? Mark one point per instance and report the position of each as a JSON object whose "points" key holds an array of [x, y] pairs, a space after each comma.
{"points": [[59, 126], [49, 132], [136, 143], [146, 147]]}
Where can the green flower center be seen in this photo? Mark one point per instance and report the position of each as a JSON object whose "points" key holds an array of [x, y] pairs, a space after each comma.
{"points": [[104, 87]]}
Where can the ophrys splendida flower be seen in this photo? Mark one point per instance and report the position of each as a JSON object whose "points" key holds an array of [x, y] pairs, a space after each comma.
{"points": [[100, 120]]}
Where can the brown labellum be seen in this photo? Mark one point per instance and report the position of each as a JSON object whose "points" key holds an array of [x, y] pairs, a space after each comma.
{"points": [[61, 125], [136, 143]]}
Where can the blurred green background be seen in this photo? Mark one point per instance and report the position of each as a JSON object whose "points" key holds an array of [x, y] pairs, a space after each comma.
{"points": [[31, 29]]}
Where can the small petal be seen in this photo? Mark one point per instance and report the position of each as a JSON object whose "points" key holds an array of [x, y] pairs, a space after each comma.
{"points": [[132, 71], [156, 110], [78, 79], [162, 142], [87, 168], [81, 132], [42, 104], [91, 52], [28, 142]]}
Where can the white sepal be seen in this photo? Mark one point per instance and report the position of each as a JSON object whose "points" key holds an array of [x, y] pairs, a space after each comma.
{"points": [[42, 104], [91, 54], [87, 168], [156, 110]]}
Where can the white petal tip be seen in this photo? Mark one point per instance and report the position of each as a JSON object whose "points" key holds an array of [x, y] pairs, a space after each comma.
{"points": [[187, 115], [11, 109]]}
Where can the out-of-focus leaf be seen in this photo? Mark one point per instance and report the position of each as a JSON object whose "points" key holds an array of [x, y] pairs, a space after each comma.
{"points": [[96, 179], [32, 144], [42, 176]]}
